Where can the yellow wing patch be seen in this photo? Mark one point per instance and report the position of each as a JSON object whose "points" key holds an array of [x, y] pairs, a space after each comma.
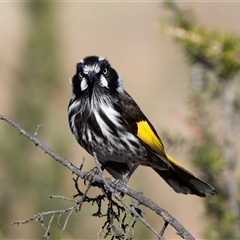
{"points": [[146, 134]]}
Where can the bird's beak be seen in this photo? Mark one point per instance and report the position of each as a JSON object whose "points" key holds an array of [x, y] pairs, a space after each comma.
{"points": [[90, 84], [90, 76]]}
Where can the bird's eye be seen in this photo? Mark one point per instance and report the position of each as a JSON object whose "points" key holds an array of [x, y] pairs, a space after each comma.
{"points": [[105, 71]]}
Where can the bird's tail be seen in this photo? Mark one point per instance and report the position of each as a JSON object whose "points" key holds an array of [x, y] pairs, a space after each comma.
{"points": [[183, 181]]}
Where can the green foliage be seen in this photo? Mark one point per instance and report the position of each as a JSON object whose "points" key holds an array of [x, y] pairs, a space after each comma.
{"points": [[217, 51], [219, 54], [207, 156]]}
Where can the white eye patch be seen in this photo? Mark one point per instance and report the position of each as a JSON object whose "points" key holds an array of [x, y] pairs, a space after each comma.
{"points": [[83, 84], [103, 82]]}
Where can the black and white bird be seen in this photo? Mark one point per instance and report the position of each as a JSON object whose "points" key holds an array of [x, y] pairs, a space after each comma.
{"points": [[105, 120]]}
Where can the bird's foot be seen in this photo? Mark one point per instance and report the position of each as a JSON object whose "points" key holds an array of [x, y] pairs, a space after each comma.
{"points": [[122, 181], [90, 174]]}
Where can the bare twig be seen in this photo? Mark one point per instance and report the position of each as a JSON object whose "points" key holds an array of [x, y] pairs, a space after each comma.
{"points": [[129, 208], [164, 228], [37, 129], [64, 198], [40, 216], [113, 186], [47, 232]]}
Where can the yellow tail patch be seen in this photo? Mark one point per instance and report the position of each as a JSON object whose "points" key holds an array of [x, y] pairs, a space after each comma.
{"points": [[174, 162], [146, 134]]}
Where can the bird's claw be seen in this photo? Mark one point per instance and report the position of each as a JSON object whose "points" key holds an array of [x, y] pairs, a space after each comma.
{"points": [[90, 174]]}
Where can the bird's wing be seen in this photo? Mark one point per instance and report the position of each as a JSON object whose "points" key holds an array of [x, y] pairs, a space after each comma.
{"points": [[178, 177], [141, 127], [146, 133]]}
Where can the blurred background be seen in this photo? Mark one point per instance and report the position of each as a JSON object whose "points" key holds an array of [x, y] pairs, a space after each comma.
{"points": [[41, 42]]}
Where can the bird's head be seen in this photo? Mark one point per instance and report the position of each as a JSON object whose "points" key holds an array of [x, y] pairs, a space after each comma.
{"points": [[95, 75]]}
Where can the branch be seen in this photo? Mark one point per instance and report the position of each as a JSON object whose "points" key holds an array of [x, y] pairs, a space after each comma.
{"points": [[113, 186], [119, 198]]}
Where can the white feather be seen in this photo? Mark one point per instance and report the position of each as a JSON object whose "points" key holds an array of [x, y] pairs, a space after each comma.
{"points": [[74, 105], [96, 68], [89, 134], [74, 129], [111, 113], [91, 68], [100, 58], [83, 84], [104, 127], [103, 82]]}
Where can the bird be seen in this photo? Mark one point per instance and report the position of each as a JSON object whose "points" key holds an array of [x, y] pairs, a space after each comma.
{"points": [[108, 123]]}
